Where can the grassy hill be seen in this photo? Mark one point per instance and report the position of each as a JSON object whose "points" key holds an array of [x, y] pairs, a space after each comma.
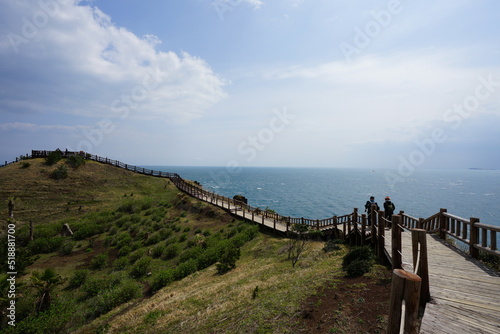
{"points": [[146, 258]]}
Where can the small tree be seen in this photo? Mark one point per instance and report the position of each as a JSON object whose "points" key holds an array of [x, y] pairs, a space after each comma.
{"points": [[297, 243], [228, 258], [44, 282]]}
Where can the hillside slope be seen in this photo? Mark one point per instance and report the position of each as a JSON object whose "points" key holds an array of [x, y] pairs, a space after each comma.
{"points": [[145, 258]]}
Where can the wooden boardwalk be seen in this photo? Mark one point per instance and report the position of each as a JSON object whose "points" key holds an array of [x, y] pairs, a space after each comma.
{"points": [[465, 294]]}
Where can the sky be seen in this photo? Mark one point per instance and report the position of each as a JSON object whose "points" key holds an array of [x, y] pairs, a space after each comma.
{"points": [[390, 84]]}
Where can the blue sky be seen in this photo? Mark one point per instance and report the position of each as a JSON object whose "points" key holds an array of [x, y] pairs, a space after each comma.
{"points": [[376, 84]]}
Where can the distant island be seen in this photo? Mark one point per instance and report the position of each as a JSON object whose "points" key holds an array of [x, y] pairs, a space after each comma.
{"points": [[473, 168]]}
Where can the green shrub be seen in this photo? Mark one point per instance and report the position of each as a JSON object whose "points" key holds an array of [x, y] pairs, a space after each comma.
{"points": [[332, 245], [141, 267], [171, 251], [45, 245], [53, 157], [120, 263], [54, 320], [358, 261], [184, 269], [99, 261], [93, 286], [59, 173], [78, 279], [67, 247], [153, 239], [127, 207], [164, 278], [358, 268], [157, 251], [124, 251], [190, 253], [132, 258], [75, 161], [227, 260], [124, 239], [111, 298], [25, 164]]}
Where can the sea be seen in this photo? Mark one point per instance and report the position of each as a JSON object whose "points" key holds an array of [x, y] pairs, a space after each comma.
{"points": [[319, 193]]}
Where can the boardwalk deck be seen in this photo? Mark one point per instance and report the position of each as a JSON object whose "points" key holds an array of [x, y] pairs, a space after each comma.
{"points": [[465, 293]]}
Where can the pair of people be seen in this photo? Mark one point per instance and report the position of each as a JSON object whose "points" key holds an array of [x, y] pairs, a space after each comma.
{"points": [[389, 208]]}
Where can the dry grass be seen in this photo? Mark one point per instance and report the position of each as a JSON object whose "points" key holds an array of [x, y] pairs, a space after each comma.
{"points": [[92, 187], [262, 295]]}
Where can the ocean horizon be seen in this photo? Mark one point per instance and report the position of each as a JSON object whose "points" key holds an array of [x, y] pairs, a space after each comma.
{"points": [[322, 192]]}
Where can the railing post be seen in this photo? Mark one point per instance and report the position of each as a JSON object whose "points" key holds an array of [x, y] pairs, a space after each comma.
{"points": [[317, 224], [396, 244], [380, 236], [363, 229], [405, 286], [373, 223], [474, 238], [420, 263], [442, 224], [420, 224]]}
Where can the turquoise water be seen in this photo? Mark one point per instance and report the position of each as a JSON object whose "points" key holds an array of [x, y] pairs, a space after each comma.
{"points": [[318, 193]]}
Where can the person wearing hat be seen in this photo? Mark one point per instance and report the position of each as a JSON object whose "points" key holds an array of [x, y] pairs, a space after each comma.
{"points": [[389, 208]]}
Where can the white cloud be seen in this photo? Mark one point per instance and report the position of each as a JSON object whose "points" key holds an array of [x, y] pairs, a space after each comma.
{"points": [[71, 58], [19, 126]]}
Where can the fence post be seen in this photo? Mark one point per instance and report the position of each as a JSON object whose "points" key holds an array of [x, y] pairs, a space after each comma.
{"points": [[474, 238], [396, 244], [373, 223], [405, 286], [442, 224], [420, 223], [420, 263], [380, 236], [363, 229]]}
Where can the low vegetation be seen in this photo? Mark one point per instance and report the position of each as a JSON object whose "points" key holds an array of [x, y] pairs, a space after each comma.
{"points": [[146, 258]]}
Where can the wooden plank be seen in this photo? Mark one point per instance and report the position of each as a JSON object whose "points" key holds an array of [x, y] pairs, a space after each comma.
{"points": [[465, 293]]}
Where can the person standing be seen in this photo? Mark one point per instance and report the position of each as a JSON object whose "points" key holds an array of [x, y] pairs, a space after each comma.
{"points": [[389, 208], [368, 206]]}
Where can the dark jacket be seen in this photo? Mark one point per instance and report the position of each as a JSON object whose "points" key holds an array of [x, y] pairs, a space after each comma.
{"points": [[389, 207]]}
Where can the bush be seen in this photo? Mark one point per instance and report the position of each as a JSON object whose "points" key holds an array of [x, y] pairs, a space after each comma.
{"points": [[157, 251], [358, 261], [164, 278], [111, 298], [59, 173], [45, 245], [67, 247], [120, 263], [358, 268], [185, 269], [53, 157], [99, 261], [75, 161], [78, 279], [141, 267], [332, 245], [25, 164], [228, 259], [171, 251]]}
